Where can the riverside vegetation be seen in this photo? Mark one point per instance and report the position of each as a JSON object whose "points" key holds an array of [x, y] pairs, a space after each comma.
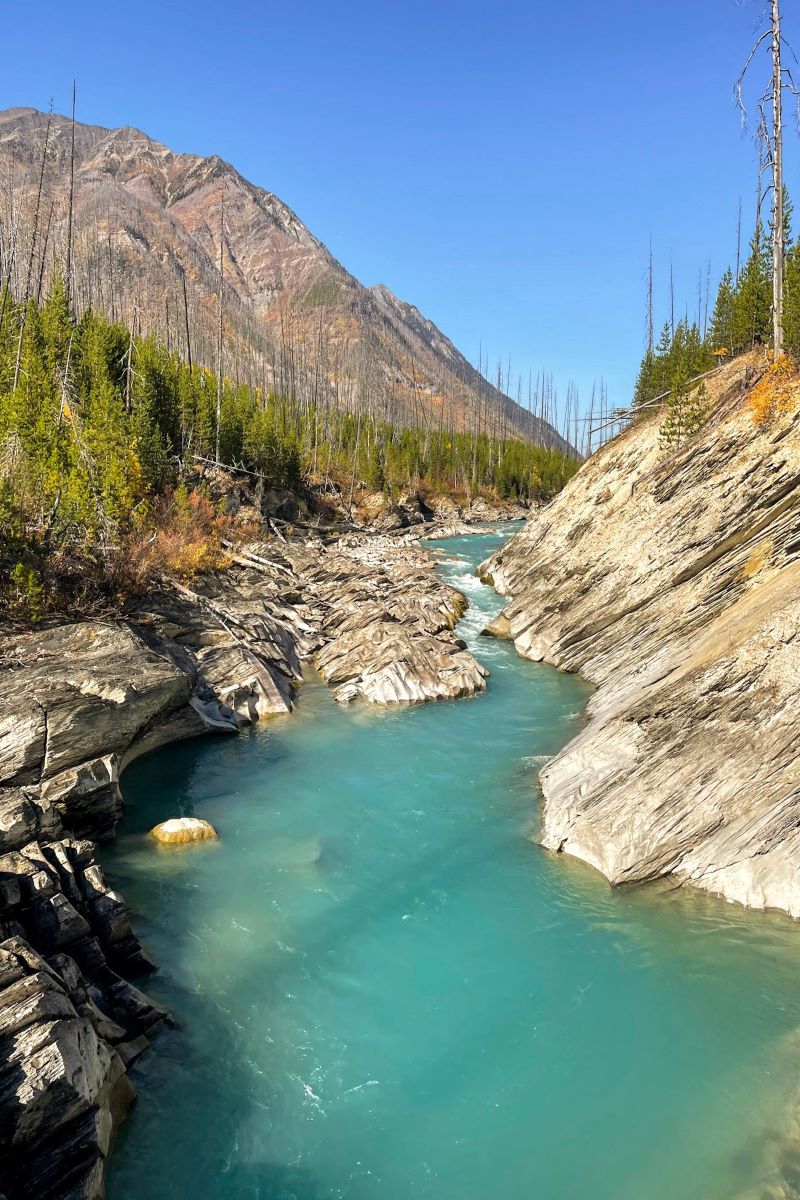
{"points": [[741, 319], [101, 432]]}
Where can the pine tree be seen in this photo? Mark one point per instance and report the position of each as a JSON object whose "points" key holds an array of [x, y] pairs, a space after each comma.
{"points": [[697, 407], [752, 305], [722, 319], [686, 411], [57, 326], [791, 302], [673, 427], [644, 390]]}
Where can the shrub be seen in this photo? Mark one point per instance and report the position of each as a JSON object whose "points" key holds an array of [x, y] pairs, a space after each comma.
{"points": [[25, 593], [776, 390], [181, 536]]}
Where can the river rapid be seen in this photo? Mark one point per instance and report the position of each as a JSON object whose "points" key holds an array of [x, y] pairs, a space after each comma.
{"points": [[386, 991]]}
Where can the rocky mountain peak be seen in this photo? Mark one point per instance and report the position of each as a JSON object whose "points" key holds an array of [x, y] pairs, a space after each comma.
{"points": [[147, 221]]}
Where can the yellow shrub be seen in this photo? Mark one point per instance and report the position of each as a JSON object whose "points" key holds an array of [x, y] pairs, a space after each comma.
{"points": [[182, 538], [776, 391]]}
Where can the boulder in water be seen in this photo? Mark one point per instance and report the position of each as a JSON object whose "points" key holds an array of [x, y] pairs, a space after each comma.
{"points": [[180, 830]]}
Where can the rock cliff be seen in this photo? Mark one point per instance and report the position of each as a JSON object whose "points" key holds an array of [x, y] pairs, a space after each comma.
{"points": [[671, 580]]}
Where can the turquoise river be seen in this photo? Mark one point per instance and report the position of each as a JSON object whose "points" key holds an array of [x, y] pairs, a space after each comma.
{"points": [[386, 991]]}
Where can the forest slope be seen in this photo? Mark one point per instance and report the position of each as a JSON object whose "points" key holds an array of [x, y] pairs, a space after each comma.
{"points": [[148, 220]]}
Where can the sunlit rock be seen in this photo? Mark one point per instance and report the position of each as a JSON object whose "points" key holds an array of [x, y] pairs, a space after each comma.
{"points": [[180, 830], [671, 579]]}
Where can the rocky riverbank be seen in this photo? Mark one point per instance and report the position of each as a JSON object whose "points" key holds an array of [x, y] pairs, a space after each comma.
{"points": [[78, 702], [671, 580]]}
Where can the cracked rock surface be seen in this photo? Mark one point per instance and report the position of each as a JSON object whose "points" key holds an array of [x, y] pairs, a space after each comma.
{"points": [[672, 582]]}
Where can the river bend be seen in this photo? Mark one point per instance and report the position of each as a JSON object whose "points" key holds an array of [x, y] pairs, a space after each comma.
{"points": [[386, 991]]}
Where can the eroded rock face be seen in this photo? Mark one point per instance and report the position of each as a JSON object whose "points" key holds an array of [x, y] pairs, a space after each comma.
{"points": [[386, 621], [672, 581], [481, 511], [76, 703], [63, 1086], [75, 693], [415, 518]]}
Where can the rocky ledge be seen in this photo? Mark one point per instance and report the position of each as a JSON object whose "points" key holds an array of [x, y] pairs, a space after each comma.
{"points": [[77, 703], [442, 517], [671, 580]]}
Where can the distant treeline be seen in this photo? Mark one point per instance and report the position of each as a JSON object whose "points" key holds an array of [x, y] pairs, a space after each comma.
{"points": [[96, 424]]}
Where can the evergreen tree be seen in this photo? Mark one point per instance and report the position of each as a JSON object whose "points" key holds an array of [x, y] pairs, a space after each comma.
{"points": [[722, 318], [685, 411], [644, 389], [751, 321], [791, 302]]}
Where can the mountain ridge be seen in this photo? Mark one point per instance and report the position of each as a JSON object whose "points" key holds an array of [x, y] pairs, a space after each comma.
{"points": [[147, 224]]}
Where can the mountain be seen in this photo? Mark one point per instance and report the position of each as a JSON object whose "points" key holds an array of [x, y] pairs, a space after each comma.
{"points": [[148, 226]]}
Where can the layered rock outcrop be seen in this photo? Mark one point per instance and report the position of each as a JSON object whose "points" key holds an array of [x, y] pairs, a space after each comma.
{"points": [[671, 579], [416, 518], [77, 703], [387, 622]]}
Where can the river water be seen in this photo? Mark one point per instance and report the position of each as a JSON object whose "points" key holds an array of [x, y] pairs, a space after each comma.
{"points": [[386, 991]]}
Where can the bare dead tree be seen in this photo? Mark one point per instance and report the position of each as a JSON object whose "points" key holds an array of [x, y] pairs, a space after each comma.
{"points": [[129, 362], [649, 328], [778, 228], [43, 260], [68, 280], [34, 238], [770, 138], [221, 308], [186, 323]]}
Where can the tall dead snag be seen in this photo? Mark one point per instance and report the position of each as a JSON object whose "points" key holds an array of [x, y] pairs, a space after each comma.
{"points": [[68, 280], [649, 332], [43, 256], [770, 135], [220, 311], [34, 238], [186, 323], [776, 149]]}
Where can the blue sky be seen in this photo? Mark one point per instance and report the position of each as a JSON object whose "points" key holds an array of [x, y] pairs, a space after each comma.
{"points": [[501, 165]]}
